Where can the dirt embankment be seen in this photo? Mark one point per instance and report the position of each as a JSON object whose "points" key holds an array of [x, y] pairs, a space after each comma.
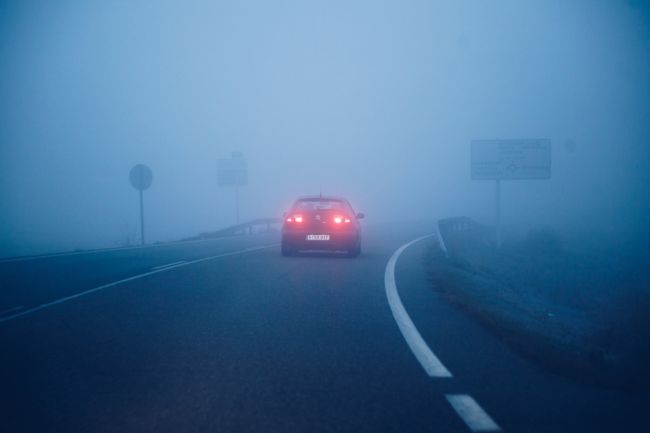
{"points": [[579, 306]]}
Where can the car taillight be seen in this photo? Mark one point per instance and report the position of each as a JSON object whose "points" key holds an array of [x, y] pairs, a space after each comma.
{"points": [[294, 218], [341, 219]]}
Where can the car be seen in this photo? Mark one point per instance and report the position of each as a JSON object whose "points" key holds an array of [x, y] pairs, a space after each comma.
{"points": [[321, 224]]}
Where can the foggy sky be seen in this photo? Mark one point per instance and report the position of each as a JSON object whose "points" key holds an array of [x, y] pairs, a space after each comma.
{"points": [[373, 100]]}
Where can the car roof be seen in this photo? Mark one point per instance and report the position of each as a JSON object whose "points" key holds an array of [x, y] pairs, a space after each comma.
{"points": [[321, 198]]}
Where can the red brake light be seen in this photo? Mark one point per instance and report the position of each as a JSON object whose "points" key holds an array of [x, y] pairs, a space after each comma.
{"points": [[295, 218], [340, 219]]}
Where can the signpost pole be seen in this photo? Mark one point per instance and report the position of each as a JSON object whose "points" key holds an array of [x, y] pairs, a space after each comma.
{"points": [[237, 202], [498, 212], [141, 177], [141, 219], [233, 172]]}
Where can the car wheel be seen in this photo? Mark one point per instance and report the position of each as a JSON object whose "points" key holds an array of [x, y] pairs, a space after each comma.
{"points": [[355, 251], [286, 250]]}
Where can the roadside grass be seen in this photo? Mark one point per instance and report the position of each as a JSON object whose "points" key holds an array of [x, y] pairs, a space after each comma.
{"points": [[577, 305]]}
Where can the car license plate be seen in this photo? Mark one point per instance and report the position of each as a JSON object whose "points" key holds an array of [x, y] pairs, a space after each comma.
{"points": [[318, 237]]}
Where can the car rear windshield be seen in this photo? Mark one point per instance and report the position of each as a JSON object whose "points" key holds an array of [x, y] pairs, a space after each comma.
{"points": [[320, 204]]}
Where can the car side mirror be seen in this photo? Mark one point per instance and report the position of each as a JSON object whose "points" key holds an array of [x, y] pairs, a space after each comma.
{"points": [[361, 216]]}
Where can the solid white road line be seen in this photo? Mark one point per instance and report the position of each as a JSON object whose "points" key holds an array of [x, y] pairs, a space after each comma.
{"points": [[11, 310], [424, 355], [126, 280], [169, 264], [470, 412]]}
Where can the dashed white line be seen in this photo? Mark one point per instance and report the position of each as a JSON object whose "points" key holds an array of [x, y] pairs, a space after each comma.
{"points": [[422, 352], [126, 280], [469, 410], [169, 264]]}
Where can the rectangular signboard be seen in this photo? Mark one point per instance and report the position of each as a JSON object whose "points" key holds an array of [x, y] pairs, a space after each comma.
{"points": [[511, 159], [232, 172]]}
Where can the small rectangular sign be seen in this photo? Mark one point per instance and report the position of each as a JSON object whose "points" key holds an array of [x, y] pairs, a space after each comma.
{"points": [[232, 172], [511, 159]]}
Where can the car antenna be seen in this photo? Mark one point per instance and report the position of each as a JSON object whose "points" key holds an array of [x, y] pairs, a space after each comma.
{"points": [[320, 191]]}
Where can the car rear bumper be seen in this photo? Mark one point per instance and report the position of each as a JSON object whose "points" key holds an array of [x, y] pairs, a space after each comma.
{"points": [[337, 241]]}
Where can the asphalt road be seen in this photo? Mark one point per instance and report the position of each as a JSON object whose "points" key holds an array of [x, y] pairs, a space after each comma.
{"points": [[232, 337]]}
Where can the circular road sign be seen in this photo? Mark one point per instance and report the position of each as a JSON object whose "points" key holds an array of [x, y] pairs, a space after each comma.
{"points": [[140, 177]]}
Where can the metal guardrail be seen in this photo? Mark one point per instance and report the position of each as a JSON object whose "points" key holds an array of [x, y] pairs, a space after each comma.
{"points": [[459, 232], [240, 229], [457, 224]]}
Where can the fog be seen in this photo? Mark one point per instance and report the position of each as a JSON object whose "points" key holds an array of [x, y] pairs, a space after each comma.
{"points": [[377, 101]]}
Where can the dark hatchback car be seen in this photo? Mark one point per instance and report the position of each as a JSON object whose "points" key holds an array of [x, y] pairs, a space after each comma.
{"points": [[321, 224]]}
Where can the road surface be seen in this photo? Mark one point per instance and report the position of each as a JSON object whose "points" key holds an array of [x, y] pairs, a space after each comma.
{"points": [[228, 336]]}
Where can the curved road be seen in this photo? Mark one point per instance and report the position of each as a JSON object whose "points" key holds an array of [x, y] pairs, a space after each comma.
{"points": [[228, 336]]}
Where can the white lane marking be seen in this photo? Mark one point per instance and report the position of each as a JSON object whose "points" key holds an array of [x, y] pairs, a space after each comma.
{"points": [[109, 250], [470, 412], [10, 310], [422, 352], [169, 264], [126, 280]]}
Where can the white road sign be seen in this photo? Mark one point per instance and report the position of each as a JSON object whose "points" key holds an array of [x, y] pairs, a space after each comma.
{"points": [[511, 159]]}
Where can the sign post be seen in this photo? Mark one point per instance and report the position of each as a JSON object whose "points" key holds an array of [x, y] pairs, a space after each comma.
{"points": [[233, 172], [509, 160], [141, 178]]}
